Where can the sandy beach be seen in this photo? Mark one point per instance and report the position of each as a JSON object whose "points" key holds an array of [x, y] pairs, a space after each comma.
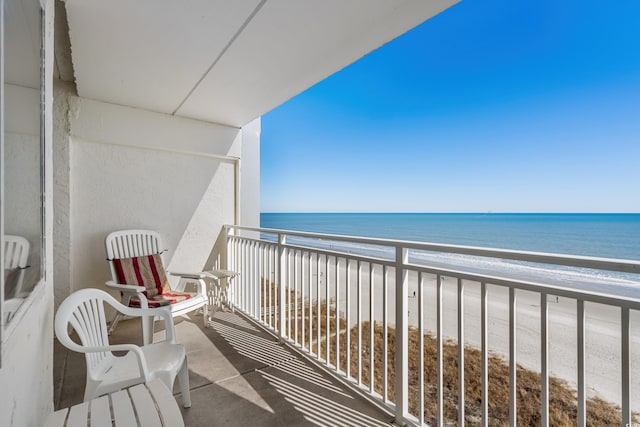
{"points": [[603, 344], [603, 369]]}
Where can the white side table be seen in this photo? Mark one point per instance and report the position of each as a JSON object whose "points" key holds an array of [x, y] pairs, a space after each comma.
{"points": [[220, 294]]}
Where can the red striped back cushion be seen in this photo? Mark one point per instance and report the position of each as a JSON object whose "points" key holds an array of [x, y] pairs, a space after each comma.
{"points": [[147, 271]]}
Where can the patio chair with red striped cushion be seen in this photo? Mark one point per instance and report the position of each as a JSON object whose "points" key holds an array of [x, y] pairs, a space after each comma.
{"points": [[137, 271]]}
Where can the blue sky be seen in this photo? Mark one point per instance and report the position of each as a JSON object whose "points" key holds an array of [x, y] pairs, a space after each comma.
{"points": [[499, 105]]}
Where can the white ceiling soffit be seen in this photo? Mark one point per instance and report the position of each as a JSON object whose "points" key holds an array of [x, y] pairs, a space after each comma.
{"points": [[225, 61]]}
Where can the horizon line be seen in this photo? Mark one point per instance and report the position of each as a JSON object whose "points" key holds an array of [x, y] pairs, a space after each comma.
{"points": [[457, 212]]}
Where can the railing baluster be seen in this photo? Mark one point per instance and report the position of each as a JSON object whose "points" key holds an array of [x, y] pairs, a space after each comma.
{"points": [[281, 274], [275, 302], [485, 353], [265, 277], [247, 279], [440, 356], [385, 334], [337, 278], [255, 303], [295, 296], [544, 358], [239, 267], [243, 272], [255, 278], [310, 304], [245, 293], [461, 385], [327, 315], [257, 275], [272, 287], [402, 339], [250, 288], [582, 396], [348, 315], [261, 271], [290, 280], [260, 285], [239, 260], [372, 349], [626, 368], [231, 257], [253, 291], [318, 332], [268, 292], [303, 299], [421, 345], [262, 313], [512, 359], [359, 322]]}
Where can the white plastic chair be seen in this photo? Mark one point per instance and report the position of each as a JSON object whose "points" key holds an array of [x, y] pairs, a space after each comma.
{"points": [[84, 311], [139, 243], [16, 254]]}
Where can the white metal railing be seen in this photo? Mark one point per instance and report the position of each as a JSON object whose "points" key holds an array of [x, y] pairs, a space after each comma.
{"points": [[348, 303]]}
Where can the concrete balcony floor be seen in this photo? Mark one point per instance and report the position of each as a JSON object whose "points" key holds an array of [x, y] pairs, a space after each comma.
{"points": [[239, 376]]}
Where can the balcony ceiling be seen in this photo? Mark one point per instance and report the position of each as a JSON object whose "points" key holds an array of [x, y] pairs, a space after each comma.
{"points": [[225, 61]]}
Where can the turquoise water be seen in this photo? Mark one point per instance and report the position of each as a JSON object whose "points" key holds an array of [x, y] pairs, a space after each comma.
{"points": [[599, 235]]}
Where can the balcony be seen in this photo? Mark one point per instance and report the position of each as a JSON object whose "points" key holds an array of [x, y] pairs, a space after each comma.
{"points": [[299, 348]]}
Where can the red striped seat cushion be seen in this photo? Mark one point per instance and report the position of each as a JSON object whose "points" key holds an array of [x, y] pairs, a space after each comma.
{"points": [[148, 271], [162, 300]]}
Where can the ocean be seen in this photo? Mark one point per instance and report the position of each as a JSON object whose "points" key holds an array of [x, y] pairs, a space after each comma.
{"points": [[596, 235]]}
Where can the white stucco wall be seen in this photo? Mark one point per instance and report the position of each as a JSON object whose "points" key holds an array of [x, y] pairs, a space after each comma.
{"points": [[61, 201], [250, 175], [130, 168], [26, 376]]}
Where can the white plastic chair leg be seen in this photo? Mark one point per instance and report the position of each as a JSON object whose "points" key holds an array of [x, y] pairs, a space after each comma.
{"points": [[147, 329], [183, 379], [90, 391], [205, 315], [114, 323]]}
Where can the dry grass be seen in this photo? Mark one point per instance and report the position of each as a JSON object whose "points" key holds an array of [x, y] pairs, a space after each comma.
{"points": [[562, 402]]}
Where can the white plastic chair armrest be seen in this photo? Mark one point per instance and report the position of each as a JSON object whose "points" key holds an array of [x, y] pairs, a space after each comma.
{"points": [[142, 362], [132, 290], [189, 275], [197, 277], [125, 288], [143, 369]]}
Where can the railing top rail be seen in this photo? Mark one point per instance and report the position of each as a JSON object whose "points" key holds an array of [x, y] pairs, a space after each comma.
{"points": [[620, 265]]}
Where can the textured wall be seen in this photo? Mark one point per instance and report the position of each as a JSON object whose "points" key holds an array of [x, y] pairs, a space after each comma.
{"points": [[130, 168], [61, 200], [250, 179]]}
